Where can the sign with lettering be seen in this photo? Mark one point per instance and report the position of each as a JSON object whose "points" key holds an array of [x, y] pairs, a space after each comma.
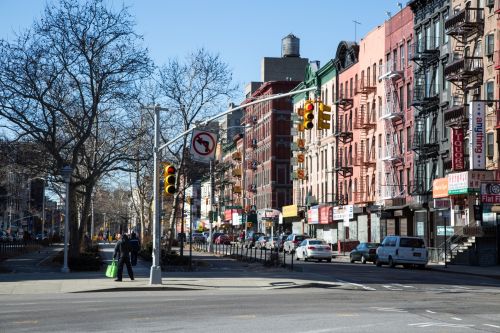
{"points": [[477, 136], [457, 152], [490, 193]]}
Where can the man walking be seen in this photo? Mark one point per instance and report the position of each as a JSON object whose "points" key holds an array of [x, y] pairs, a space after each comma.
{"points": [[122, 252], [135, 246]]}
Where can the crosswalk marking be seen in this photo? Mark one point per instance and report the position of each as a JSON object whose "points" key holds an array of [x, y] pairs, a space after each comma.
{"points": [[390, 287]]}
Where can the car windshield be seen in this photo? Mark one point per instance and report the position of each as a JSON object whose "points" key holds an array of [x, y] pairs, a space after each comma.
{"points": [[412, 242], [372, 245], [317, 242], [300, 238]]}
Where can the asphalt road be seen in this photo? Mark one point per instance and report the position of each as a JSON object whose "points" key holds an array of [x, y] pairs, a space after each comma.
{"points": [[279, 308], [344, 298]]}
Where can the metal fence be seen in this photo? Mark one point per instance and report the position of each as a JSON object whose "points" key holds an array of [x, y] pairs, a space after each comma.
{"points": [[239, 252], [10, 249]]}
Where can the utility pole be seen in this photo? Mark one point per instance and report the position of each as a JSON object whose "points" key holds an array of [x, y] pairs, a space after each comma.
{"points": [[211, 219]]}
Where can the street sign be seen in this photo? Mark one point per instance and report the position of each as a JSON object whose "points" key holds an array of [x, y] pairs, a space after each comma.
{"points": [[449, 230], [203, 146]]}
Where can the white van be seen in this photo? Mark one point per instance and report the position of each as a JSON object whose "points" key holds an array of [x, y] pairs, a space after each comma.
{"points": [[402, 250]]}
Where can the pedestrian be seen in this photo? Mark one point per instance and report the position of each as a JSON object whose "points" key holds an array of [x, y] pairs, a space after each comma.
{"points": [[122, 253], [106, 235], [135, 246]]}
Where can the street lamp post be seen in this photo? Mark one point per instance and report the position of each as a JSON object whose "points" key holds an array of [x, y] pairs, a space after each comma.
{"points": [[66, 173]]}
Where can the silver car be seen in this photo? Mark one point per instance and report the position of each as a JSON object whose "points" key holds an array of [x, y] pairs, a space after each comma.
{"points": [[314, 249]]}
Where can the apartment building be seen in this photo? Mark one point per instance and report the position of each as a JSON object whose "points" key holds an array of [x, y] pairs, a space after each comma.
{"points": [[396, 117]]}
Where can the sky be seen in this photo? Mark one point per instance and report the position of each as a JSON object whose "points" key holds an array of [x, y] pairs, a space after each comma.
{"points": [[242, 32]]}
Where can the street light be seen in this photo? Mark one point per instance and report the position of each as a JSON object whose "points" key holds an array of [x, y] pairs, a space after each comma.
{"points": [[66, 173]]}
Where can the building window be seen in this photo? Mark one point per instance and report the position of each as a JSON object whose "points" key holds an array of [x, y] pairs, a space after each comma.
{"points": [[374, 69], [408, 138], [401, 182], [437, 32], [350, 90], [408, 96], [401, 99], [408, 51], [489, 45], [380, 70], [490, 94], [408, 181], [446, 37], [489, 145], [380, 146], [402, 55]]}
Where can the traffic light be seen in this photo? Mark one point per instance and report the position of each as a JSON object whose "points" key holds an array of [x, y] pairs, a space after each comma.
{"points": [[169, 178], [308, 115], [323, 117]]}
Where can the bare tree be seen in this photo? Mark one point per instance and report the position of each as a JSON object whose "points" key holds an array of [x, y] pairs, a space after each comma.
{"points": [[193, 90], [66, 84]]}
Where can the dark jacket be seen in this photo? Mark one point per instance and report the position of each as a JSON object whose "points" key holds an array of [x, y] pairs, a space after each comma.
{"points": [[122, 248], [134, 244]]}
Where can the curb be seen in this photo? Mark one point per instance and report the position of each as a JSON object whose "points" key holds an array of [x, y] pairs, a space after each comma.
{"points": [[444, 270]]}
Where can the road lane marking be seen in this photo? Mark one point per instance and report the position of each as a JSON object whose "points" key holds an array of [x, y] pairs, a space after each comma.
{"points": [[26, 322], [455, 318], [358, 285], [429, 311], [402, 285], [434, 324], [389, 309], [390, 287], [495, 326]]}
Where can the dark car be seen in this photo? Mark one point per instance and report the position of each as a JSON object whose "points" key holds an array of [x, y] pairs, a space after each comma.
{"points": [[250, 241], [364, 252], [214, 237], [223, 239]]}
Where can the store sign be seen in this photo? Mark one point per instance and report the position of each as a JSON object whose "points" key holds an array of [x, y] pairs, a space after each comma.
{"points": [[325, 214], [477, 135], [457, 152], [441, 230], [468, 181], [490, 193], [290, 211], [338, 213], [313, 215], [440, 188]]}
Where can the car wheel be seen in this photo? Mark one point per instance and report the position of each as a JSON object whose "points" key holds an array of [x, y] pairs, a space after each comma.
{"points": [[406, 266], [329, 260], [391, 263], [421, 266], [378, 263], [351, 259], [363, 260]]}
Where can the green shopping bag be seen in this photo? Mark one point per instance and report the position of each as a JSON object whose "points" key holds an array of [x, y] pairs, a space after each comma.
{"points": [[112, 269]]}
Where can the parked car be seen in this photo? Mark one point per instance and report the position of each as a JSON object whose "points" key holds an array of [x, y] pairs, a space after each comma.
{"points": [[198, 237], [272, 244], [223, 239], [250, 241], [293, 241], [214, 237], [261, 242], [4, 236], [364, 252], [40, 237], [314, 249], [402, 250]]}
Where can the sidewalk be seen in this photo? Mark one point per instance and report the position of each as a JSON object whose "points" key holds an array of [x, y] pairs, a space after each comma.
{"points": [[34, 273]]}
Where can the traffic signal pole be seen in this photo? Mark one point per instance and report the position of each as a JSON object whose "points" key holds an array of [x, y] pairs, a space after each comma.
{"points": [[155, 273]]}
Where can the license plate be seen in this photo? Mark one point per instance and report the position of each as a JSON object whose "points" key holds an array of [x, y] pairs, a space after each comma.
{"points": [[416, 254]]}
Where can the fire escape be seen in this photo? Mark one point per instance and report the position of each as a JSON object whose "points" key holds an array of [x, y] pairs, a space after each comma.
{"points": [[343, 133], [393, 115], [425, 55], [465, 68], [364, 121]]}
